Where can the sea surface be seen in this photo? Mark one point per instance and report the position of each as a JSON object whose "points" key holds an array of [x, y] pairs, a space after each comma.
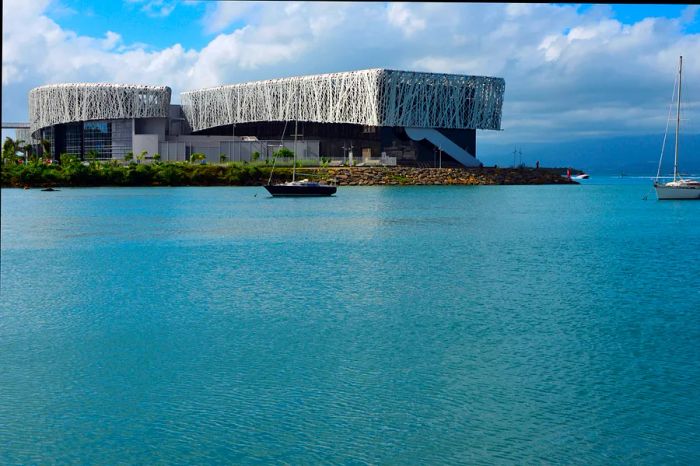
{"points": [[390, 325]]}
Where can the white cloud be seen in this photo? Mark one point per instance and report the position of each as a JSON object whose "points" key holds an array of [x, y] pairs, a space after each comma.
{"points": [[568, 73], [155, 8], [401, 17], [111, 40], [220, 16]]}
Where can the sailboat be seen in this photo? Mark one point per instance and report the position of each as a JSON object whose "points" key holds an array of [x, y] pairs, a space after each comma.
{"points": [[679, 188], [302, 187]]}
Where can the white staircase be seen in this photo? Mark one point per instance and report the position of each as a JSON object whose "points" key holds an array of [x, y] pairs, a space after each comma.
{"points": [[444, 143]]}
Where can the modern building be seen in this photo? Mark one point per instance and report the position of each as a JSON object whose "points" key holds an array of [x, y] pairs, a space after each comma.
{"points": [[369, 116]]}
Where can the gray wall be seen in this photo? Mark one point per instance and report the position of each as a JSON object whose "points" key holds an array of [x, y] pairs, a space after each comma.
{"points": [[180, 148]]}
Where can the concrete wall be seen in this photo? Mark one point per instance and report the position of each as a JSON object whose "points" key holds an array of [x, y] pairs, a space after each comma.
{"points": [[151, 126], [172, 151], [182, 147], [145, 142]]}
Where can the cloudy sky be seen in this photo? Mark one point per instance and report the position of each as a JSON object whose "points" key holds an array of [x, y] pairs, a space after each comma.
{"points": [[572, 71]]}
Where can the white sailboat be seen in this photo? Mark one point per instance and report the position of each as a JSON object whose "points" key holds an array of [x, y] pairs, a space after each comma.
{"points": [[679, 188]]}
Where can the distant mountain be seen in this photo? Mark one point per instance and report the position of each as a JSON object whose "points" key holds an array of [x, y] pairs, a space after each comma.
{"points": [[633, 155]]}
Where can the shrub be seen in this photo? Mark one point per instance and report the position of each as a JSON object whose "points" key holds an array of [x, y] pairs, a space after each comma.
{"points": [[170, 174], [197, 156], [283, 153]]}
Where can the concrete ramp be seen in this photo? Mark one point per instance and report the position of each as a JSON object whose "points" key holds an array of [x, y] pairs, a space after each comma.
{"points": [[441, 141]]}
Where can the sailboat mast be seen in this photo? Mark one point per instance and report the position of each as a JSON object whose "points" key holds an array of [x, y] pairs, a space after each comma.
{"points": [[678, 116], [294, 170]]}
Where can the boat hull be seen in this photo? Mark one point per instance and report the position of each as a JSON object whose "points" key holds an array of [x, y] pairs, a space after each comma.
{"points": [[301, 191], [666, 193]]}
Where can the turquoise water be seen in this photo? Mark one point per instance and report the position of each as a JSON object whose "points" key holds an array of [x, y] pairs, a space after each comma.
{"points": [[421, 325]]}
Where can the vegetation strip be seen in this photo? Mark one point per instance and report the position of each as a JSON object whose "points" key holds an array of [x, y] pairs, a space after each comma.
{"points": [[73, 172]]}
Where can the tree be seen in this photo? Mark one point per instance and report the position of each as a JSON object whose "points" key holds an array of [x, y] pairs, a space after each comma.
{"points": [[129, 156], [9, 151], [156, 157], [255, 156], [222, 158], [142, 156], [20, 146], [28, 150]]}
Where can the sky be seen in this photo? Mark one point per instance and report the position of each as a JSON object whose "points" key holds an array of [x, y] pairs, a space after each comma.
{"points": [[572, 71]]}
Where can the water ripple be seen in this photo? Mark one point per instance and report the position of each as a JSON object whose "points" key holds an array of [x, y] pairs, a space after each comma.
{"points": [[419, 326]]}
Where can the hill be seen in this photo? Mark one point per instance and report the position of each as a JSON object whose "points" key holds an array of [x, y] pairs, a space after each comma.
{"points": [[633, 155]]}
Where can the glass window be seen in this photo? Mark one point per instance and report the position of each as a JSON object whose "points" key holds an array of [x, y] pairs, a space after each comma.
{"points": [[98, 139], [74, 139], [121, 138], [108, 139], [47, 135]]}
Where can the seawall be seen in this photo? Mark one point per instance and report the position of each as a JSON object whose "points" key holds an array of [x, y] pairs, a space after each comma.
{"points": [[369, 176]]}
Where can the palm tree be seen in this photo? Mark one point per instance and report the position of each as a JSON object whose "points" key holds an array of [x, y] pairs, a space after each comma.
{"points": [[29, 153], [9, 150], [20, 146], [142, 156], [197, 156], [45, 145]]}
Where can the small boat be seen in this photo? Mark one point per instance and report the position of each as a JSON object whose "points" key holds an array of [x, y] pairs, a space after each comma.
{"points": [[679, 188], [49, 189], [301, 188], [582, 176]]}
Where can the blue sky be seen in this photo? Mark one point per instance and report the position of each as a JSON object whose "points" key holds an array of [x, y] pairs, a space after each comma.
{"points": [[571, 70], [135, 21], [138, 22]]}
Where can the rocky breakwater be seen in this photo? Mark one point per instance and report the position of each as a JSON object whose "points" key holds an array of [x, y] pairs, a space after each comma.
{"points": [[373, 176]]}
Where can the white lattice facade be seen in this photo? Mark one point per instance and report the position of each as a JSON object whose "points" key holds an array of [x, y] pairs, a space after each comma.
{"points": [[412, 117], [66, 103], [375, 97]]}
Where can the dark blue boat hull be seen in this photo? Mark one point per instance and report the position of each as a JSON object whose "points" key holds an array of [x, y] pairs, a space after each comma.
{"points": [[300, 191]]}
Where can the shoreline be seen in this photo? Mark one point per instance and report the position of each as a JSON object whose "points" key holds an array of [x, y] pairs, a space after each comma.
{"points": [[96, 174]]}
